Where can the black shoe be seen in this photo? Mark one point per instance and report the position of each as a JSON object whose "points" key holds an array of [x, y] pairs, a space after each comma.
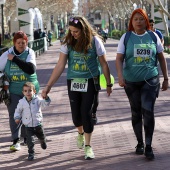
{"points": [[94, 118], [140, 149], [25, 142], [43, 145], [31, 156], [149, 152]]}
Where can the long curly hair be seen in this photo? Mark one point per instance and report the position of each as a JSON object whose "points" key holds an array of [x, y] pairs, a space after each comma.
{"points": [[87, 32], [144, 14]]}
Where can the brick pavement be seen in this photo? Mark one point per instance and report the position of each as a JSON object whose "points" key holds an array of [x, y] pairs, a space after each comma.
{"points": [[113, 140]]}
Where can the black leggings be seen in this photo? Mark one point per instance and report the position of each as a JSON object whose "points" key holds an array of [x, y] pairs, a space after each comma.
{"points": [[142, 97], [82, 105]]}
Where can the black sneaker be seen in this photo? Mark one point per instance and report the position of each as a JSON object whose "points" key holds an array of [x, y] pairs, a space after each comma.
{"points": [[31, 156], [94, 118], [149, 152], [140, 149], [43, 145]]}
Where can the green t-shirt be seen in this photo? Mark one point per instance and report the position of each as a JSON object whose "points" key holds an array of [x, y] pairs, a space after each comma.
{"points": [[82, 65], [140, 58], [17, 77]]}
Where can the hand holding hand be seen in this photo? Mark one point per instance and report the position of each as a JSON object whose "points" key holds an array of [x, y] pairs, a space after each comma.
{"points": [[45, 91]]}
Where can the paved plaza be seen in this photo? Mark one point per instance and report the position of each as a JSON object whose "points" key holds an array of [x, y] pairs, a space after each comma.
{"points": [[113, 140]]}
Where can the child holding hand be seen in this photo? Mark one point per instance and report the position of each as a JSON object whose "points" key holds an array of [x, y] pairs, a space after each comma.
{"points": [[29, 111]]}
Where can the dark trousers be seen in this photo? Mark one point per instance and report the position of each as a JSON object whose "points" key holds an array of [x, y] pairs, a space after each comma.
{"points": [[82, 105], [16, 129], [142, 97], [95, 102], [31, 132]]}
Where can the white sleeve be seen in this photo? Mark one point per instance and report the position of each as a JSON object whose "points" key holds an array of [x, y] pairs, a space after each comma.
{"points": [[64, 49], [160, 47], [3, 60], [18, 110], [121, 46], [100, 49], [31, 57]]}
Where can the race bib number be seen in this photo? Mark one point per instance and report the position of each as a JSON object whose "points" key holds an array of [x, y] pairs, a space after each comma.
{"points": [[79, 84], [142, 51]]}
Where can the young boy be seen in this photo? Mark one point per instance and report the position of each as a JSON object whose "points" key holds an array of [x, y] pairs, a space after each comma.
{"points": [[29, 111]]}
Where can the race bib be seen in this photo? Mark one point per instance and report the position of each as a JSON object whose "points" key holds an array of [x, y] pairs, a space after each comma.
{"points": [[142, 51], [79, 84]]}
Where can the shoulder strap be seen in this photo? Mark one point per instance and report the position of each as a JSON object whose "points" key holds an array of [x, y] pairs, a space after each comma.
{"points": [[127, 35], [152, 36], [155, 41]]}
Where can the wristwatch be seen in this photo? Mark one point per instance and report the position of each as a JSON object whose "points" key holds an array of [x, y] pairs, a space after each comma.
{"points": [[109, 85]]}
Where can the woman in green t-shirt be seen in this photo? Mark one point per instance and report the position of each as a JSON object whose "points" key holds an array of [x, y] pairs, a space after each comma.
{"points": [[19, 64]]}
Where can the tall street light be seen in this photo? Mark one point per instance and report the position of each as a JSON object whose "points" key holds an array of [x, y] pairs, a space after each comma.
{"points": [[2, 2]]}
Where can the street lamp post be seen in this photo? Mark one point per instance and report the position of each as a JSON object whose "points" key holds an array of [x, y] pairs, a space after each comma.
{"points": [[2, 2]]}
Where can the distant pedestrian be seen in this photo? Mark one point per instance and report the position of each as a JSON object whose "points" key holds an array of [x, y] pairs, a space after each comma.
{"points": [[159, 33], [29, 112], [36, 34], [50, 35], [61, 35]]}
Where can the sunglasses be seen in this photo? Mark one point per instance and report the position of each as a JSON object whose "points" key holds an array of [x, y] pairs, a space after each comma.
{"points": [[74, 20]]}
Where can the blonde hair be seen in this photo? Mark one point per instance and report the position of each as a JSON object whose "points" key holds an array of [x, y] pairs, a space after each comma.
{"points": [[29, 84]]}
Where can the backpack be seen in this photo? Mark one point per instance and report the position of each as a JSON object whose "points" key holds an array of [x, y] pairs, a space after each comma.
{"points": [[128, 35]]}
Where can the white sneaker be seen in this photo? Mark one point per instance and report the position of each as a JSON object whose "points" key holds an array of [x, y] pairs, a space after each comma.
{"points": [[89, 154], [80, 141], [15, 147]]}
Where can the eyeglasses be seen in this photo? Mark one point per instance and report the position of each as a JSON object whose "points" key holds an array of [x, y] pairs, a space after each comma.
{"points": [[74, 20]]}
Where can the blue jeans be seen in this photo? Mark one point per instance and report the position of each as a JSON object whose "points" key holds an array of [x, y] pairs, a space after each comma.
{"points": [[142, 97]]}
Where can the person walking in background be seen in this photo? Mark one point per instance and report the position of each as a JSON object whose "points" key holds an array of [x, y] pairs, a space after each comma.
{"points": [[29, 111], [83, 48], [140, 77], [152, 22], [50, 35], [19, 64], [36, 34], [62, 33]]}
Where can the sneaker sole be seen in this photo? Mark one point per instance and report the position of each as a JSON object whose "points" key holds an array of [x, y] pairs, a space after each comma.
{"points": [[14, 149], [82, 147], [150, 157], [89, 158], [30, 159], [139, 153]]}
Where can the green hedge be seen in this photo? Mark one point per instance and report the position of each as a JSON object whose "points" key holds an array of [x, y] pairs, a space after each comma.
{"points": [[116, 34]]}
